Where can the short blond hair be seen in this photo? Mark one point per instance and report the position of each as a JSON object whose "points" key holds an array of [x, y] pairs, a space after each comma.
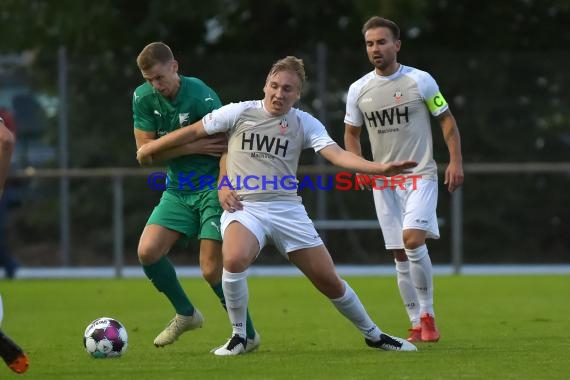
{"points": [[290, 63], [153, 53]]}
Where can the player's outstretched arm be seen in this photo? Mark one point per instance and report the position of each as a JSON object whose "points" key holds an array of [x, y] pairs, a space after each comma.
{"points": [[213, 145], [347, 160]]}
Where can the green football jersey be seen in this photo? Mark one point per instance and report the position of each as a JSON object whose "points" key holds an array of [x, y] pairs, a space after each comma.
{"points": [[152, 112]]}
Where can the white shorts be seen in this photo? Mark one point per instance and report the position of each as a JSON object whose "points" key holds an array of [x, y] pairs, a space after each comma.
{"points": [[283, 224], [401, 209]]}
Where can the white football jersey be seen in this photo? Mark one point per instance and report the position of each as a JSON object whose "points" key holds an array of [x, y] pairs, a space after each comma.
{"points": [[396, 112], [264, 150]]}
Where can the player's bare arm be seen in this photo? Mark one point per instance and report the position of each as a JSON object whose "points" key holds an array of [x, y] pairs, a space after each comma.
{"points": [[352, 144], [348, 160], [174, 139], [352, 139], [454, 172], [213, 145], [229, 200]]}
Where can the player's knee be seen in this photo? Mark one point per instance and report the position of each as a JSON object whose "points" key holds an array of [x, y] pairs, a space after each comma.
{"points": [[236, 263], [148, 254], [237, 259], [413, 241], [212, 273]]}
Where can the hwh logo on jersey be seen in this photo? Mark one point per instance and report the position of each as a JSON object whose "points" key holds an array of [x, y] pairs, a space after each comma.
{"points": [[262, 143], [387, 116]]}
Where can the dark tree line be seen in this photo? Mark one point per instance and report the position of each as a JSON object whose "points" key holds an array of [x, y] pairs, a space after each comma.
{"points": [[503, 67]]}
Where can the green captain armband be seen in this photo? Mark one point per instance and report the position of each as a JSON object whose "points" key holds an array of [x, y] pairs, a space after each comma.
{"points": [[436, 103]]}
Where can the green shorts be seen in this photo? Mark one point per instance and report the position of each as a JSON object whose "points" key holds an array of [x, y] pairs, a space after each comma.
{"points": [[194, 215]]}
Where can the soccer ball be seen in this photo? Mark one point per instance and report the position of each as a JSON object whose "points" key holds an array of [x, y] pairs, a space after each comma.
{"points": [[105, 338]]}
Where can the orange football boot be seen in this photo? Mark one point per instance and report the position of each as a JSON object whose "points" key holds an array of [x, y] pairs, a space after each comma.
{"points": [[429, 332], [415, 334], [13, 355]]}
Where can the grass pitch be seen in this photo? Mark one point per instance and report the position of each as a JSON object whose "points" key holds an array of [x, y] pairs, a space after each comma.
{"points": [[493, 327]]}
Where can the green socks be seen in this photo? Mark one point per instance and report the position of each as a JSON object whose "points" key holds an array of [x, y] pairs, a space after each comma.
{"points": [[163, 276], [249, 330]]}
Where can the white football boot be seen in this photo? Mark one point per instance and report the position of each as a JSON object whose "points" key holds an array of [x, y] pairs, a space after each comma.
{"points": [[391, 343], [177, 326]]}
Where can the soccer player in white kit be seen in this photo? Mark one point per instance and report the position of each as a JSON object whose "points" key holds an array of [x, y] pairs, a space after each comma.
{"points": [[266, 138], [394, 102]]}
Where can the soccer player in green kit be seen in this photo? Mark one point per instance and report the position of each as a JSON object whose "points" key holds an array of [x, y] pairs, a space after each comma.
{"points": [[164, 103]]}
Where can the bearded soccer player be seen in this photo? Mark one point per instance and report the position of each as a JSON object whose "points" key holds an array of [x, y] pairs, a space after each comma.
{"points": [[394, 102]]}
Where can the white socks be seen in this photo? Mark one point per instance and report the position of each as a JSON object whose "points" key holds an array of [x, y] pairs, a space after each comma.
{"points": [[350, 306], [237, 297], [408, 291], [422, 277]]}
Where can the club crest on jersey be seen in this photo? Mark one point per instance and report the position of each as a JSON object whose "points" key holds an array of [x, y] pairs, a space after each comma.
{"points": [[398, 96], [182, 118], [283, 126]]}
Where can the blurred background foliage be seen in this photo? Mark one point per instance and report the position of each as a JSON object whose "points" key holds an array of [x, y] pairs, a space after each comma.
{"points": [[503, 67]]}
